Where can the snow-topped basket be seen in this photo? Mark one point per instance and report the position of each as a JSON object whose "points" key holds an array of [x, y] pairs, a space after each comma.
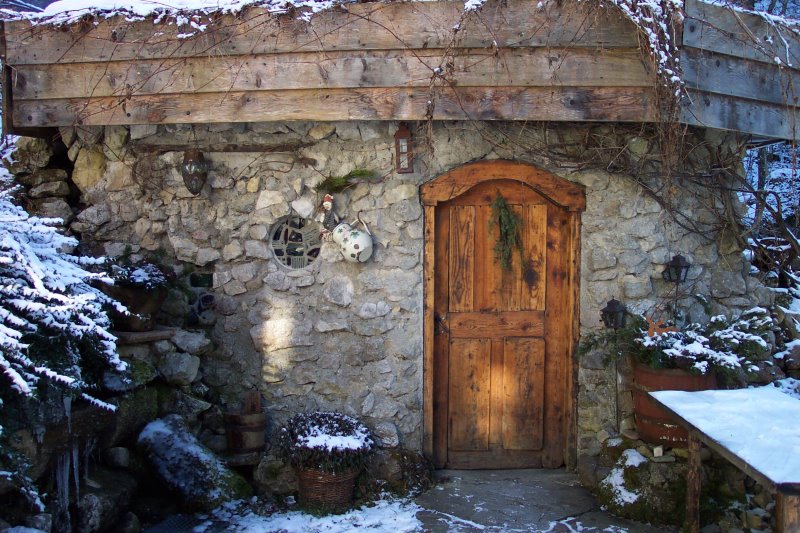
{"points": [[328, 450]]}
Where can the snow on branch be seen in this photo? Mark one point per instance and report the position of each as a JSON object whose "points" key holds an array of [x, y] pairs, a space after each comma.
{"points": [[45, 293]]}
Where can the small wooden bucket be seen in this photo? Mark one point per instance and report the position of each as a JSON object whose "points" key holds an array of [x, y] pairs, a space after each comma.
{"points": [[245, 432], [326, 491]]}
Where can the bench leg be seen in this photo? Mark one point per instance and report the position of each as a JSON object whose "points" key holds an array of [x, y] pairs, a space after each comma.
{"points": [[692, 524], [787, 513]]}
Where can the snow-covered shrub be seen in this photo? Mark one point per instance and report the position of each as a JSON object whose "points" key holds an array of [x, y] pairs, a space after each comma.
{"points": [[327, 441], [141, 275], [721, 345], [54, 338]]}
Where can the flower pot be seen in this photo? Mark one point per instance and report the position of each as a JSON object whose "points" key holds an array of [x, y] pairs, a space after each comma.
{"points": [[320, 490], [142, 303], [654, 424]]}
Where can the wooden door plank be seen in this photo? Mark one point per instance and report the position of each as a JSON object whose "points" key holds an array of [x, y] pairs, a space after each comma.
{"points": [[441, 340], [496, 324], [556, 333], [486, 288], [469, 397], [364, 26], [626, 104], [462, 258], [428, 366], [523, 393], [535, 246], [496, 406], [511, 279], [332, 69]]}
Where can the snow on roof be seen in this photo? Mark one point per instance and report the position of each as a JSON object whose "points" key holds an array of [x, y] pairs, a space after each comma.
{"points": [[69, 11], [759, 425]]}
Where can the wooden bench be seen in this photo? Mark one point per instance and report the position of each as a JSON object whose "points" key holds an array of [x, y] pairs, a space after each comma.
{"points": [[758, 430]]}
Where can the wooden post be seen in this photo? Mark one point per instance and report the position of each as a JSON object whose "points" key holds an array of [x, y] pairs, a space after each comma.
{"points": [[787, 513], [692, 524]]}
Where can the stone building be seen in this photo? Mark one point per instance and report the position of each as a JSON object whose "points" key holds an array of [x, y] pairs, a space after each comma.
{"points": [[430, 341]]}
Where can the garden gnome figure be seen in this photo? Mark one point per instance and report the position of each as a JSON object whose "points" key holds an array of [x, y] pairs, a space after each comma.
{"points": [[327, 218]]}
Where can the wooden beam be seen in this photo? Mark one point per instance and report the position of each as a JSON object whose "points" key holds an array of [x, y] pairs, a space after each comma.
{"points": [[365, 26], [459, 180], [9, 128], [626, 104], [727, 31], [787, 513], [692, 523], [732, 76], [428, 258], [710, 110], [517, 67], [167, 146]]}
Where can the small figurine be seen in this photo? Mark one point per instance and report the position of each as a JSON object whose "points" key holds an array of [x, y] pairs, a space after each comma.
{"points": [[327, 218]]}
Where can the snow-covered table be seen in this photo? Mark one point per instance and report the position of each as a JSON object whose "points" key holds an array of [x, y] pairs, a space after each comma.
{"points": [[758, 430]]}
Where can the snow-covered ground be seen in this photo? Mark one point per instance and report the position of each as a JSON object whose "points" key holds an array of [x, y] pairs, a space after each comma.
{"points": [[389, 515]]}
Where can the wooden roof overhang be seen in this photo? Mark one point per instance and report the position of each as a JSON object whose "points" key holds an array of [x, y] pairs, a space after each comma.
{"points": [[513, 60]]}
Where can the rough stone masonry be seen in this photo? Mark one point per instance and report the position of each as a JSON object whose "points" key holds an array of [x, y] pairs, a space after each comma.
{"points": [[337, 335]]}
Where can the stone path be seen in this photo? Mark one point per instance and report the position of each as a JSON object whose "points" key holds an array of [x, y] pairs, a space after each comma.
{"points": [[517, 500], [492, 501]]}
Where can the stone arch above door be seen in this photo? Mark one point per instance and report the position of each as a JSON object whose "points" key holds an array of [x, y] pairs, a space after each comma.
{"points": [[499, 384]]}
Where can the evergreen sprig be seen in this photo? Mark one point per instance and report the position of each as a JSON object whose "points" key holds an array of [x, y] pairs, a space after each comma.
{"points": [[509, 224]]}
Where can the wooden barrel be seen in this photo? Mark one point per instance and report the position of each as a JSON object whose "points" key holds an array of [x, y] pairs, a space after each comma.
{"points": [[654, 424], [245, 432]]}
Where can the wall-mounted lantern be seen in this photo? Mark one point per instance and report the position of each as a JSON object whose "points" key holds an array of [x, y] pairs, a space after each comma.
{"points": [[676, 270], [404, 155], [194, 171], [614, 314]]}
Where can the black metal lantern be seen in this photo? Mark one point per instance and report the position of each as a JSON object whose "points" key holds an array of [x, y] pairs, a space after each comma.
{"points": [[194, 171], [614, 314], [404, 154], [676, 270]]}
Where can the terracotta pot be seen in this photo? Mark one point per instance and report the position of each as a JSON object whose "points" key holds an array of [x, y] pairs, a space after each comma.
{"points": [[320, 490], [142, 303], [654, 424]]}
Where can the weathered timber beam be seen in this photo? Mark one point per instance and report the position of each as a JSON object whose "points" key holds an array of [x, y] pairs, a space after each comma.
{"points": [[726, 31], [9, 128], [514, 67], [732, 76], [367, 26], [627, 104], [737, 114], [160, 148]]}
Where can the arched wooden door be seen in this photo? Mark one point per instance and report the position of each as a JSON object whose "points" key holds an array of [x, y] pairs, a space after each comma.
{"points": [[499, 376]]}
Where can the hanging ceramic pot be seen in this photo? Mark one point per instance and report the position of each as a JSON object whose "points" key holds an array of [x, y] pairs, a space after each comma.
{"points": [[355, 244]]}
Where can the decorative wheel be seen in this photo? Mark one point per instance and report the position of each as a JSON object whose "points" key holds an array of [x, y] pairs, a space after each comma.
{"points": [[295, 241]]}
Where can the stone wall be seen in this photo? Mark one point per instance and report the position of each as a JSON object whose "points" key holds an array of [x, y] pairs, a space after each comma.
{"points": [[337, 335]]}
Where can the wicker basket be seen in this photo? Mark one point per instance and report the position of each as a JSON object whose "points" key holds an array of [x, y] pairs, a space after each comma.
{"points": [[325, 490]]}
